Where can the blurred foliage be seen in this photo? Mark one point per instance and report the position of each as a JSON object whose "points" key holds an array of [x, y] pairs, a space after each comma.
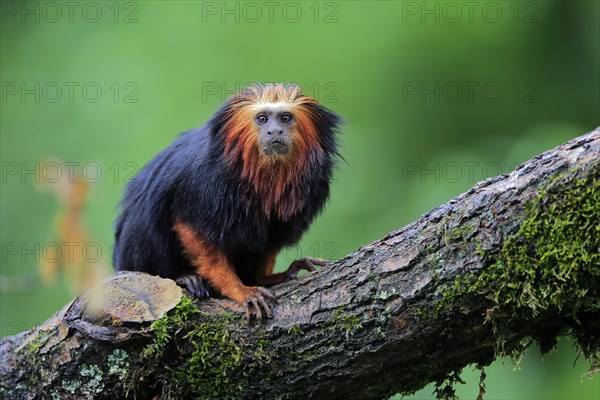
{"points": [[436, 96]]}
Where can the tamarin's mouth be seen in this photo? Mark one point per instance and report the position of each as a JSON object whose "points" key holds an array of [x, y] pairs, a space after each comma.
{"points": [[275, 147]]}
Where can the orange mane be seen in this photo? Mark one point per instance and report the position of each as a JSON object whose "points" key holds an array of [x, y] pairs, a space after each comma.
{"points": [[277, 181]]}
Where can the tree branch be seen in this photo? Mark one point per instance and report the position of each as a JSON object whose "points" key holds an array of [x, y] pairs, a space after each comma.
{"points": [[514, 260]]}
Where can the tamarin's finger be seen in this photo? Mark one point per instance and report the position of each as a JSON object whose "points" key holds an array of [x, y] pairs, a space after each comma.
{"points": [[267, 294], [298, 265], [317, 261], [266, 307], [257, 308]]}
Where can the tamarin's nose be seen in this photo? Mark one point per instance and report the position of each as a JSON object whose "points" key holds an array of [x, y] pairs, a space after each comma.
{"points": [[278, 131]]}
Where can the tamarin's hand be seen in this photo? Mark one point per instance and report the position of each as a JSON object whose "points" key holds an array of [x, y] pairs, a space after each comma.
{"points": [[213, 209], [307, 263]]}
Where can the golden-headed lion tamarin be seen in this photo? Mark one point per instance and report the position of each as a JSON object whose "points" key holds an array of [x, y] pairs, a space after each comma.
{"points": [[214, 208]]}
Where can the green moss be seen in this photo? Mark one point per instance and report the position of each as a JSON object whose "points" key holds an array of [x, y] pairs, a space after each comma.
{"points": [[31, 359], [549, 266], [553, 260], [37, 342], [296, 330], [460, 233], [309, 355], [215, 355], [348, 324], [163, 328], [384, 294]]}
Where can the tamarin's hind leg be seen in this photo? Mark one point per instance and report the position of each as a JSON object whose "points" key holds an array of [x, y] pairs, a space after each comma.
{"points": [[215, 267], [266, 277]]}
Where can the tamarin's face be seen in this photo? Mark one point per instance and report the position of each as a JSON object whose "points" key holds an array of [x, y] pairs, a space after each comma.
{"points": [[275, 127], [277, 137]]}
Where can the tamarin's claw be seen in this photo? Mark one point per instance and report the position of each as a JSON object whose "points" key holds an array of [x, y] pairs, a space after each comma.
{"points": [[306, 263], [194, 284], [256, 298]]}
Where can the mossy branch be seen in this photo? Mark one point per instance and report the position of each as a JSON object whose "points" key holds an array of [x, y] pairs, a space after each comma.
{"points": [[514, 260]]}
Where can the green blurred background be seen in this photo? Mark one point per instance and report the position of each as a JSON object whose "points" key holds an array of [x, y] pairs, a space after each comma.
{"points": [[436, 96]]}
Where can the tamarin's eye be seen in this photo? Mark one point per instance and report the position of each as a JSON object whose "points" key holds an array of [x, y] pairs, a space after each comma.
{"points": [[262, 119], [286, 118]]}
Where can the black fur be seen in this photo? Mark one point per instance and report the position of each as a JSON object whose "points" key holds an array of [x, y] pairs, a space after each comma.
{"points": [[191, 181]]}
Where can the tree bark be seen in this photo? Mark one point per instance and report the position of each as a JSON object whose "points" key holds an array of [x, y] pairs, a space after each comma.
{"points": [[390, 317]]}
